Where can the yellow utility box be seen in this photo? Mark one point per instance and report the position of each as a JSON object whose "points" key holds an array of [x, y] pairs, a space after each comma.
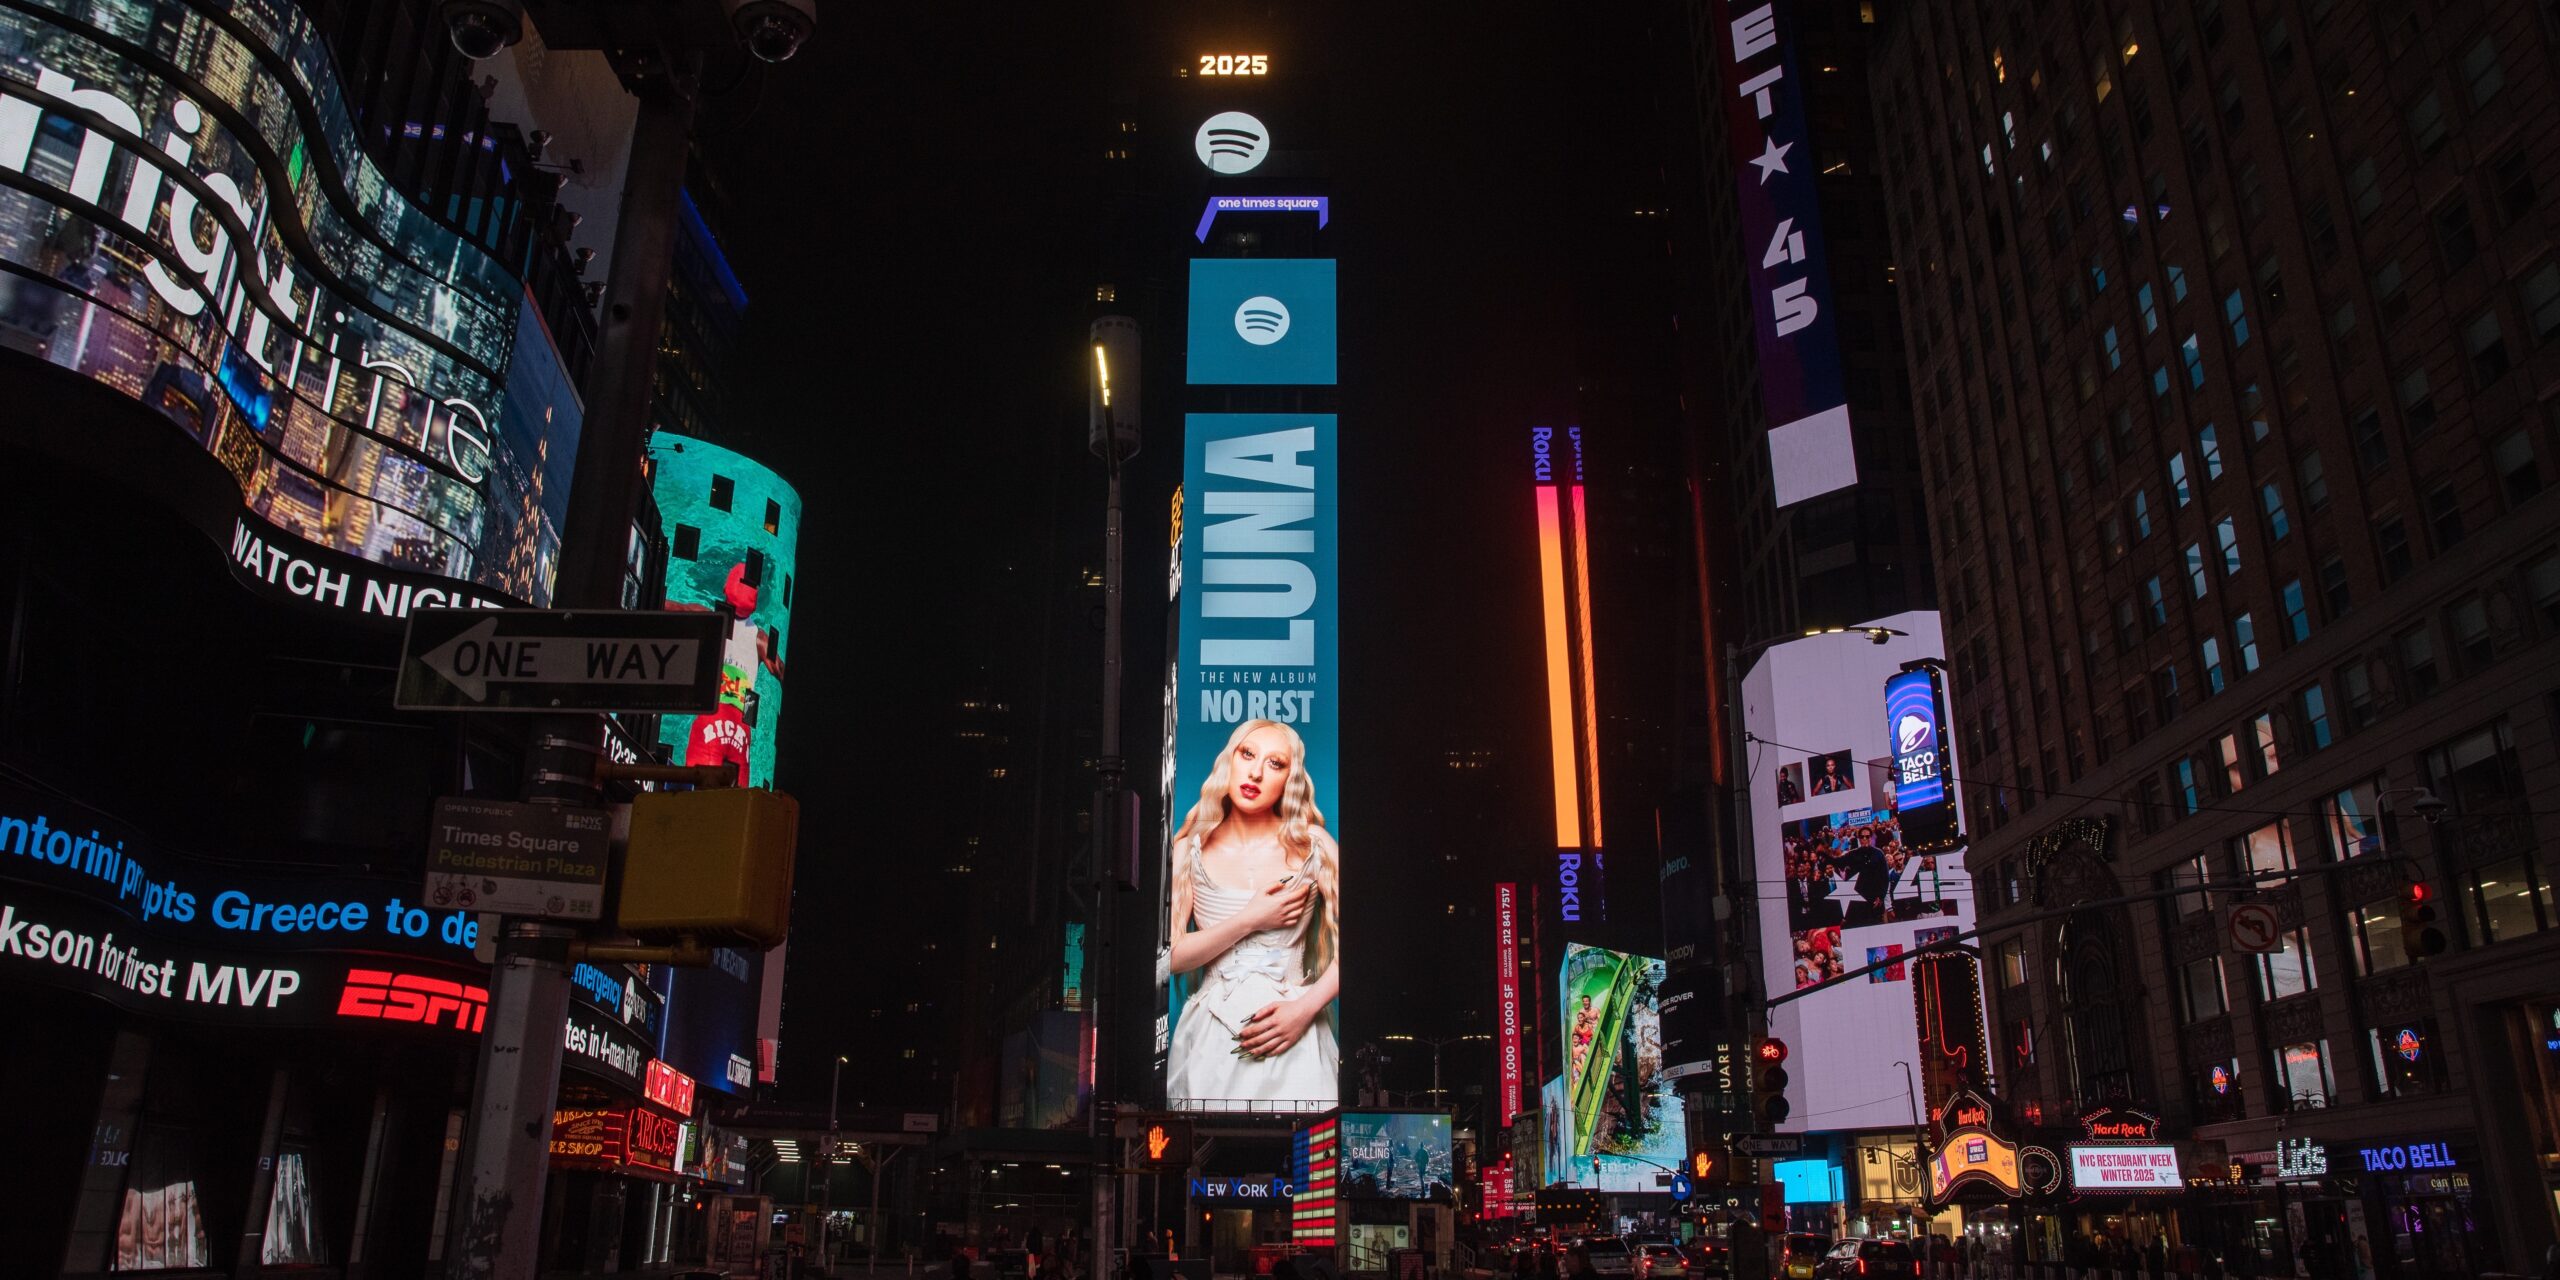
{"points": [[714, 865]]}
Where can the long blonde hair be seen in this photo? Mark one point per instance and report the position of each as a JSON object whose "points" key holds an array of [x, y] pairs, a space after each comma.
{"points": [[1300, 821]]}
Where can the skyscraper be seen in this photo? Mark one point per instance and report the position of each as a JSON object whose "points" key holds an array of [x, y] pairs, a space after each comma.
{"points": [[2231, 344]]}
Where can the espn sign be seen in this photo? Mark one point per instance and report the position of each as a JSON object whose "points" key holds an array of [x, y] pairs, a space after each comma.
{"points": [[410, 997]]}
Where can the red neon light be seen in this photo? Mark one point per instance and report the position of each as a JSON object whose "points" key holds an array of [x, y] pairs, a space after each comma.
{"points": [[1559, 671], [1590, 687], [668, 1087], [409, 997]]}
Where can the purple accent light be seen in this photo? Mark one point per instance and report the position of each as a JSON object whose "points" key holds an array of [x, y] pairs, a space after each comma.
{"points": [[1322, 205]]}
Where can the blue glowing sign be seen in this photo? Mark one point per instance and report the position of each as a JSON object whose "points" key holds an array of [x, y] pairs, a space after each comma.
{"points": [[1262, 322], [1808, 1181], [2401, 1156], [1915, 730]]}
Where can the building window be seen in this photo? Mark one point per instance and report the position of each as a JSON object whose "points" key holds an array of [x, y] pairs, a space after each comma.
{"points": [[2315, 480], [2404, 1058], [2297, 611], [2197, 585], [2486, 339], [2354, 819], [2426, 125], [2253, 406], [2287, 971], [2013, 964], [2197, 871], [772, 516], [2226, 534], [2218, 1096], [2374, 931], [2193, 355], [2468, 619], [2418, 661], [2272, 499], [2507, 900], [723, 491], [2315, 716], [2477, 771], [2444, 516], [2107, 346], [686, 544], [2519, 476], [2264, 729], [2542, 583], [2355, 684], [2391, 540], [2200, 989], [2178, 478], [2190, 786], [2210, 649], [2150, 312], [2141, 506], [2540, 294], [2373, 448], [2265, 850], [2209, 452], [2334, 595], [2302, 1076], [2155, 603], [2164, 693], [2231, 310], [2022, 1043], [2417, 401]]}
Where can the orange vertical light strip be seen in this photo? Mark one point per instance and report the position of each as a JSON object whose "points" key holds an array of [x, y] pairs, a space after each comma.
{"points": [[1590, 690], [1559, 671]]}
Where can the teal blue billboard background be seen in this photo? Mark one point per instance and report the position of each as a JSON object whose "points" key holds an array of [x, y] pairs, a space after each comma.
{"points": [[733, 531], [1285, 338]]}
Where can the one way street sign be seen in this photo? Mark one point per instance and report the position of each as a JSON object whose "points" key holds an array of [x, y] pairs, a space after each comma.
{"points": [[561, 660]]}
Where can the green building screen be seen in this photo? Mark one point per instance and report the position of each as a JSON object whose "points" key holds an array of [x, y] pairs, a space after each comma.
{"points": [[732, 529]]}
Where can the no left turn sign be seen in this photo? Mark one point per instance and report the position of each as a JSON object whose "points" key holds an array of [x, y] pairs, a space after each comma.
{"points": [[2253, 927]]}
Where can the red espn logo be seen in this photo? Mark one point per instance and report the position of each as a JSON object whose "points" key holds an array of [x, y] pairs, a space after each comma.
{"points": [[407, 997]]}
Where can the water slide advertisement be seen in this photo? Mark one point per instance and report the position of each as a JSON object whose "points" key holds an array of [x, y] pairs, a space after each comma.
{"points": [[1619, 1121]]}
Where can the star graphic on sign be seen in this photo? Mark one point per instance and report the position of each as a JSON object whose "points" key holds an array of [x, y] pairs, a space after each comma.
{"points": [[1772, 159]]}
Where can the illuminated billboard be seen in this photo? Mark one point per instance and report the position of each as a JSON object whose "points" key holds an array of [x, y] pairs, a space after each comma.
{"points": [[1916, 726], [1614, 1116], [189, 221], [1573, 725], [1840, 885], [1777, 200], [1396, 1155], [733, 527], [1252, 931], [1261, 322], [1506, 994]]}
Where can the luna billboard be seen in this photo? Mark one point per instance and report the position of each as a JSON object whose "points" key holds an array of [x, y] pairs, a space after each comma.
{"points": [[1252, 924]]}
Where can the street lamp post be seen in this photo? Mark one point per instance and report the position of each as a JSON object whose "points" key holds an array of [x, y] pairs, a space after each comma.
{"points": [[827, 1188], [1437, 1043]]}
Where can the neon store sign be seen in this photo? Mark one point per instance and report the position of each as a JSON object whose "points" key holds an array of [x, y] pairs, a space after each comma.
{"points": [[2406, 1155]]}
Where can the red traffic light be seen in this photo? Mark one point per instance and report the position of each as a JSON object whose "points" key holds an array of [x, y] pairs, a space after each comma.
{"points": [[1773, 1050], [2417, 893]]}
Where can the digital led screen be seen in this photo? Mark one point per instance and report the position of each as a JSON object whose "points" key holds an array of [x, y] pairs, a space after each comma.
{"points": [[1618, 1119], [2125, 1169], [1808, 1181], [1777, 200], [1252, 931], [1396, 1156], [1840, 887], [733, 531], [1506, 997], [1916, 725], [1262, 322], [188, 219]]}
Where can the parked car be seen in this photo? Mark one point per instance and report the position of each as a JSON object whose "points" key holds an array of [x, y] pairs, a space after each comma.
{"points": [[1662, 1260], [1869, 1260], [1710, 1257], [1803, 1253], [1611, 1256]]}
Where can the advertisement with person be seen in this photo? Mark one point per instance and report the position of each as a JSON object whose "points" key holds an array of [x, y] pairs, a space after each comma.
{"points": [[1842, 885], [1619, 1121], [733, 528], [198, 230], [1252, 922]]}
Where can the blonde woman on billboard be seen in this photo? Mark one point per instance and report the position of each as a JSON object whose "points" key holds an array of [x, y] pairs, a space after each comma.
{"points": [[1255, 881]]}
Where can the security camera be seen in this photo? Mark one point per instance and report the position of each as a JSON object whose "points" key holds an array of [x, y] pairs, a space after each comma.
{"points": [[773, 30], [483, 28], [2429, 805]]}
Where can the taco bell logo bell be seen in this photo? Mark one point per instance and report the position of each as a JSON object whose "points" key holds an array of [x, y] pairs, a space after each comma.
{"points": [[1911, 734]]}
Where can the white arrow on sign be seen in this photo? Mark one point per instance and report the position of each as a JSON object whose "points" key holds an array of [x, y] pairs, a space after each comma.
{"points": [[2253, 927], [480, 657]]}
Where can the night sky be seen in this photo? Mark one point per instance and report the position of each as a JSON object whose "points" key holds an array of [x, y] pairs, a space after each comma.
{"points": [[906, 206]]}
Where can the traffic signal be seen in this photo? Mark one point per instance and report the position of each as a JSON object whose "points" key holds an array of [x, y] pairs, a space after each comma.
{"points": [[2419, 935], [1769, 1083]]}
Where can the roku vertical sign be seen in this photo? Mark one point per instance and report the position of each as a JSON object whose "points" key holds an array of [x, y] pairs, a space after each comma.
{"points": [[1802, 394], [1573, 731], [1506, 987]]}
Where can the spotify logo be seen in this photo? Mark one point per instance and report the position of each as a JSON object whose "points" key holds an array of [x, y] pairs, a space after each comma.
{"points": [[1262, 321], [1232, 142]]}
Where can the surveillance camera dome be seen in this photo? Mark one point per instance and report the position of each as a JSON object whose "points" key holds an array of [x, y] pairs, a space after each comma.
{"points": [[483, 28], [773, 30]]}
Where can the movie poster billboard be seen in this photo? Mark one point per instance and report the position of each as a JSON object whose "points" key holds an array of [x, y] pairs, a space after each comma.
{"points": [[1396, 1155], [1841, 886], [196, 227], [1253, 932], [1618, 1120], [733, 531]]}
